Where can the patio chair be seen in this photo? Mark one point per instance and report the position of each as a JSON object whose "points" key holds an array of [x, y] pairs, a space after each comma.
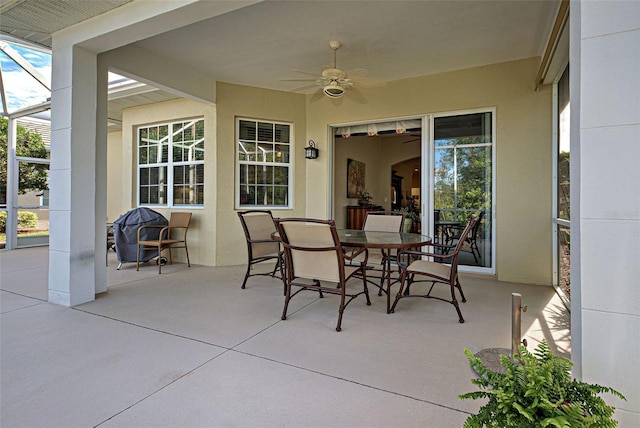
{"points": [[471, 239], [259, 226], [434, 271], [313, 254], [377, 221], [167, 240]]}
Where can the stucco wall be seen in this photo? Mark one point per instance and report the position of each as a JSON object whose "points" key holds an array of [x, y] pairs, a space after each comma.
{"points": [[523, 149], [203, 224], [243, 101]]}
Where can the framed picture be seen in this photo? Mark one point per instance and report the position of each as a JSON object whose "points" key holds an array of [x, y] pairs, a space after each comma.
{"points": [[355, 177]]}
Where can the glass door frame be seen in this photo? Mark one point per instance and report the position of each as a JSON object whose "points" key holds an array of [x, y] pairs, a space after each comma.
{"points": [[427, 175], [429, 179]]}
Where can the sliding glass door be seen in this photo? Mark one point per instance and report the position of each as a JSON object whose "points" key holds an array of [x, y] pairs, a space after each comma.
{"points": [[463, 184]]}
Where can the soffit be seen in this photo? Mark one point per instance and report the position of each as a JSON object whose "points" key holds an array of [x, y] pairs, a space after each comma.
{"points": [[35, 21]]}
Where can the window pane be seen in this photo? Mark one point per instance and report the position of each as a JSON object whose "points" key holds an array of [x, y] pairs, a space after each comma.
{"points": [[464, 129], [144, 176], [265, 131], [247, 130], [282, 153], [282, 133], [281, 175], [280, 196]]}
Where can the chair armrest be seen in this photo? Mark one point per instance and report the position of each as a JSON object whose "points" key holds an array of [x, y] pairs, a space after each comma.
{"points": [[163, 229], [412, 254], [351, 253]]}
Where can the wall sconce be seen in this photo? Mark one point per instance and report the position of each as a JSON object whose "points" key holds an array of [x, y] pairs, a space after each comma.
{"points": [[310, 152]]}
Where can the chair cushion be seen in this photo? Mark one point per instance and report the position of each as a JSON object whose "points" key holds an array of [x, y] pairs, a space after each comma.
{"points": [[439, 270]]}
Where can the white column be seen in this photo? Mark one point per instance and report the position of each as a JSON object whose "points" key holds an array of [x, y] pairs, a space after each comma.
{"points": [[12, 186], [72, 244], [609, 216]]}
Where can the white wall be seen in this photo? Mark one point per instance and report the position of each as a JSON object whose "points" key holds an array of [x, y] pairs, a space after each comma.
{"points": [[606, 84]]}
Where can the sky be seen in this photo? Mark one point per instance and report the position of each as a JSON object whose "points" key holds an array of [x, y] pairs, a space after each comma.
{"points": [[21, 89]]}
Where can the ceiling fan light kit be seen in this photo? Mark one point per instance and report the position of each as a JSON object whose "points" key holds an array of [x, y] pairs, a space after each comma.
{"points": [[333, 90], [333, 82]]}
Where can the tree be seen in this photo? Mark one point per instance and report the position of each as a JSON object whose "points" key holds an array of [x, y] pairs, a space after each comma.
{"points": [[464, 183], [28, 144]]}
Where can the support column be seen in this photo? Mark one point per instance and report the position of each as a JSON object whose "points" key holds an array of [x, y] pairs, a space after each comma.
{"points": [[11, 223], [72, 244]]}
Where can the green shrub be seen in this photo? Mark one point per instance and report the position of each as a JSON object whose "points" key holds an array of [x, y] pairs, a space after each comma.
{"points": [[536, 390], [26, 220]]}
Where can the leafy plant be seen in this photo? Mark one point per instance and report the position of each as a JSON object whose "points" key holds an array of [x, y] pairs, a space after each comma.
{"points": [[536, 390], [26, 220], [32, 176], [364, 195], [408, 213]]}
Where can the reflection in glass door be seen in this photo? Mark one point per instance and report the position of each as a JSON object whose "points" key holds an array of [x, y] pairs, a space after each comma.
{"points": [[463, 184]]}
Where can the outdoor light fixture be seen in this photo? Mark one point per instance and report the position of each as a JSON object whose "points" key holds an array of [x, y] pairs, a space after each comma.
{"points": [[310, 152]]}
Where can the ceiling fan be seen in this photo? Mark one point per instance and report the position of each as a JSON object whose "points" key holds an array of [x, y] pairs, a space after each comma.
{"points": [[332, 81]]}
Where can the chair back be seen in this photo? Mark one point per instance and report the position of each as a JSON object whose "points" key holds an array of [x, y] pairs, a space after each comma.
{"points": [[465, 233], [383, 221], [312, 249], [474, 231], [259, 226], [179, 220]]}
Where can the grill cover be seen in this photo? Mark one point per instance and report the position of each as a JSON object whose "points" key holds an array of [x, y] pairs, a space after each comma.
{"points": [[125, 233]]}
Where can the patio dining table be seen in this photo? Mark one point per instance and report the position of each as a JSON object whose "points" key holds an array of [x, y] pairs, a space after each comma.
{"points": [[385, 241]]}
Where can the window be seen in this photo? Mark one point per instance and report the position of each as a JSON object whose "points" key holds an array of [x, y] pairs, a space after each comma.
{"points": [[264, 164], [562, 180], [171, 163]]}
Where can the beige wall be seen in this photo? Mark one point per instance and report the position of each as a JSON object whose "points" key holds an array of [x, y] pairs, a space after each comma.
{"points": [[203, 224], [243, 101], [523, 150]]}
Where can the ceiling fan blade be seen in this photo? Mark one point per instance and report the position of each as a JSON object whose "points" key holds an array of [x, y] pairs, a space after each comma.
{"points": [[366, 82], [357, 72], [318, 95], [304, 88], [356, 96], [299, 80], [305, 72]]}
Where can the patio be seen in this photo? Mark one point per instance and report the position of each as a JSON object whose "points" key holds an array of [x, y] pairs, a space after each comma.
{"points": [[190, 348]]}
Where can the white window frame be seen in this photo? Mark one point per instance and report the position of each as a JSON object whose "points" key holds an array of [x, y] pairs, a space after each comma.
{"points": [[169, 164], [239, 163]]}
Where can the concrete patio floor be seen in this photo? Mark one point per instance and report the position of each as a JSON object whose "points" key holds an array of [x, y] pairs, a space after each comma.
{"points": [[189, 348]]}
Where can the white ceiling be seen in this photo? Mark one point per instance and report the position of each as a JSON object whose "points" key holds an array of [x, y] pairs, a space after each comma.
{"points": [[261, 44]]}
